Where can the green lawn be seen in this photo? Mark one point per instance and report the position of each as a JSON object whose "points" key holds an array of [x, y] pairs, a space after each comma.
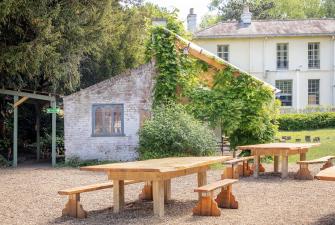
{"points": [[327, 146]]}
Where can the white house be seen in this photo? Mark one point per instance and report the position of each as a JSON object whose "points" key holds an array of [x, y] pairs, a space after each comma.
{"points": [[296, 56]]}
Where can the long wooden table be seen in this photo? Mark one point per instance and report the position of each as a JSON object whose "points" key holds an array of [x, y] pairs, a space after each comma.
{"points": [[159, 172], [277, 150]]}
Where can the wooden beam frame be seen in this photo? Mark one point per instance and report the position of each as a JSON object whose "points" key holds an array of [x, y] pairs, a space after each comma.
{"points": [[26, 94], [22, 100]]}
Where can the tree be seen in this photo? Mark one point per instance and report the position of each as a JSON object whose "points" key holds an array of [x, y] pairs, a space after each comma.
{"points": [[328, 8], [232, 9], [42, 41]]}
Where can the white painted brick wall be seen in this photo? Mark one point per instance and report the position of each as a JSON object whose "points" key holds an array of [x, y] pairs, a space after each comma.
{"points": [[133, 89]]}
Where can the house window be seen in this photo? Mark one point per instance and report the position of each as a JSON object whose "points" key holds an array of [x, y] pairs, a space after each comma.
{"points": [[285, 96], [282, 56], [108, 120], [314, 55], [223, 52], [313, 92]]}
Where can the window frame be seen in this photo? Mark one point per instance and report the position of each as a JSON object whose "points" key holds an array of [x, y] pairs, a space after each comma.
{"points": [[285, 94], [95, 106], [317, 93], [313, 55], [223, 52], [278, 56]]}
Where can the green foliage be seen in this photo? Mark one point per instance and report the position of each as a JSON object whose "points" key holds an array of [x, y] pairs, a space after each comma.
{"points": [[310, 121], [242, 106], [3, 162], [173, 132], [76, 162], [272, 9]]}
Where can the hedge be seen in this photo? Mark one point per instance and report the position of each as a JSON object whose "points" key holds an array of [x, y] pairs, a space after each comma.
{"points": [[310, 121]]}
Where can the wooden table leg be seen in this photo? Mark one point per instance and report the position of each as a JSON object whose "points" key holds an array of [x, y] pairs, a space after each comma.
{"points": [[284, 166], [202, 180], [167, 190], [256, 166], [158, 194], [118, 195], [302, 156], [276, 163]]}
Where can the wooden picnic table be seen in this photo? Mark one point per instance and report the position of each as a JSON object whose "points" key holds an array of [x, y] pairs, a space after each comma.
{"points": [[157, 172], [326, 174], [276, 150]]}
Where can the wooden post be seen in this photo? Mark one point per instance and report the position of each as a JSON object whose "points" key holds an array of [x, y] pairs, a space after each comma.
{"points": [[284, 166], [276, 163], [167, 190], [53, 135], [16, 98], [118, 195], [256, 166], [202, 180], [302, 156], [158, 194], [38, 126]]}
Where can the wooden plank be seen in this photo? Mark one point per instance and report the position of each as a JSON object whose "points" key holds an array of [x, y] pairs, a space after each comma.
{"points": [[202, 180], [30, 95], [164, 165], [279, 146], [92, 187], [167, 190], [118, 195], [256, 166], [237, 160], [215, 185], [19, 102], [326, 174], [158, 194], [316, 161]]}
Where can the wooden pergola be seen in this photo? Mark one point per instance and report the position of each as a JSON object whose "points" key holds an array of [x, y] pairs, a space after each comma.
{"points": [[17, 102]]}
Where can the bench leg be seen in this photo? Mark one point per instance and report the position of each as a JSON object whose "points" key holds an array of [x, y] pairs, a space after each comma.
{"points": [[206, 207], [303, 173], [276, 164], [74, 208], [146, 193], [327, 165], [231, 172], [226, 199], [246, 169], [167, 190], [202, 180]]}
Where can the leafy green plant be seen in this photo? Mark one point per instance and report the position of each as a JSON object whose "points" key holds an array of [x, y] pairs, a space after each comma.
{"points": [[173, 132], [310, 121]]}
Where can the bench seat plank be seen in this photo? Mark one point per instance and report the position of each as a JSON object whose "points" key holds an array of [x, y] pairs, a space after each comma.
{"points": [[91, 187], [215, 185], [317, 161], [237, 160], [327, 174]]}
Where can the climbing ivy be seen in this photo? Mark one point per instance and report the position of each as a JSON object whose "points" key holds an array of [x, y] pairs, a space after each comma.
{"points": [[241, 105]]}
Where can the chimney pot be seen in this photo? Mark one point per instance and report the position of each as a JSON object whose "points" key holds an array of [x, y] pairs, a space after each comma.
{"points": [[246, 15], [192, 21]]}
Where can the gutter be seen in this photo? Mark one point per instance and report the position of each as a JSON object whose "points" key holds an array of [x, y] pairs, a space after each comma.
{"points": [[262, 35]]}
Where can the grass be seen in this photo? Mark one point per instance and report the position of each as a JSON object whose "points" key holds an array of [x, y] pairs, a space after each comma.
{"points": [[327, 147]]}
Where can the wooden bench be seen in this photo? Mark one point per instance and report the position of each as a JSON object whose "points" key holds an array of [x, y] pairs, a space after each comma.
{"points": [[225, 199], [235, 170], [305, 174], [73, 207]]}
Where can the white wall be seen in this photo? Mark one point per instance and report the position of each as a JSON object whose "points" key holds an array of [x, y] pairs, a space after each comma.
{"points": [[134, 90], [257, 55]]}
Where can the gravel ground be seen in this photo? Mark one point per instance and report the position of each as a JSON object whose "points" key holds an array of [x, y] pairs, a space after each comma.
{"points": [[29, 196]]}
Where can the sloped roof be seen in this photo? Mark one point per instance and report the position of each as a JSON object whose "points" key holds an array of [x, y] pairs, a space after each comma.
{"points": [[270, 28]]}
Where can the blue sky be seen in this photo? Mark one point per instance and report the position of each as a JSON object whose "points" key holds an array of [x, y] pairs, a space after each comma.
{"points": [[200, 6]]}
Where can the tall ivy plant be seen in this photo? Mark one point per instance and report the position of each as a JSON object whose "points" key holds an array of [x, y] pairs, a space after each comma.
{"points": [[241, 105]]}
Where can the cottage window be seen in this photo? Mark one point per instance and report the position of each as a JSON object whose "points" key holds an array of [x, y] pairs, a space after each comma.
{"points": [[314, 55], [313, 92], [223, 52], [285, 95], [282, 56], [108, 120]]}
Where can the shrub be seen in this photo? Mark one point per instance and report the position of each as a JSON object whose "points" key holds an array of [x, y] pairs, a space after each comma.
{"points": [[309, 121], [3, 162], [173, 132]]}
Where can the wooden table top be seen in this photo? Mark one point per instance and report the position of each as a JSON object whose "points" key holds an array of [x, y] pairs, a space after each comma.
{"points": [[327, 174], [284, 146], [159, 165]]}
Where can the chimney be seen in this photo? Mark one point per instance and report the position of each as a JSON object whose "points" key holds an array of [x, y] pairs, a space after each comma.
{"points": [[246, 15], [192, 21]]}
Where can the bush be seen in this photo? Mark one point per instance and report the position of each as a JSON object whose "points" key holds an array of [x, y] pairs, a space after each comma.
{"points": [[3, 162], [173, 132], [309, 121]]}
